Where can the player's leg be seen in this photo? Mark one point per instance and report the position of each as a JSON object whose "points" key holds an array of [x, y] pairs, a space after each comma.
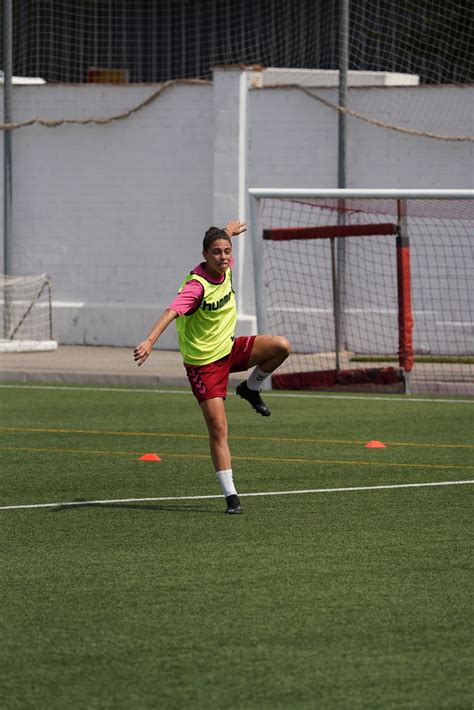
{"points": [[216, 421], [268, 353], [214, 414]]}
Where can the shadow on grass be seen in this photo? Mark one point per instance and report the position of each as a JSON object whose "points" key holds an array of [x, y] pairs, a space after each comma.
{"points": [[79, 505]]}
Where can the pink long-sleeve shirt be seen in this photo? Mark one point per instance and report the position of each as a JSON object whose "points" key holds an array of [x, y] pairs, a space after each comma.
{"points": [[190, 297]]}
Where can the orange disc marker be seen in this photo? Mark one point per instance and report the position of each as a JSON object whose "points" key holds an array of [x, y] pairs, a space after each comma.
{"points": [[374, 445], [149, 457]]}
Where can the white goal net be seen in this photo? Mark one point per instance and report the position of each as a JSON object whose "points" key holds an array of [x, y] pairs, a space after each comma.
{"points": [[374, 288], [26, 319]]}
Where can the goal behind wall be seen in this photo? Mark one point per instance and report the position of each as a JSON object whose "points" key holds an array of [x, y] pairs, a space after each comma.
{"points": [[26, 319], [374, 288]]}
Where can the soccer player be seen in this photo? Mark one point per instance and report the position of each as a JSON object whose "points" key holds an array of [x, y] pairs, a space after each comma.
{"points": [[205, 314]]}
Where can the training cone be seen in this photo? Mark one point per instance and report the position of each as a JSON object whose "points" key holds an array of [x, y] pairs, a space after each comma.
{"points": [[374, 445], [149, 457]]}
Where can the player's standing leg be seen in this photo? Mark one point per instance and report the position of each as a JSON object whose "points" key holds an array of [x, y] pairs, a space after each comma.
{"points": [[268, 353], [216, 420]]}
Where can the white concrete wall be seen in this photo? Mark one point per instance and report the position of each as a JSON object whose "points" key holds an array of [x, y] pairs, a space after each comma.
{"points": [[116, 214], [113, 213]]}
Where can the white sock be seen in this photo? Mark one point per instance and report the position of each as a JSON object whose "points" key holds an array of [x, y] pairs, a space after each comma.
{"points": [[227, 482], [256, 378]]}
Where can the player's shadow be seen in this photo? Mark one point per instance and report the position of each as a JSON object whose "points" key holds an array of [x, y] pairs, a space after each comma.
{"points": [[79, 505]]}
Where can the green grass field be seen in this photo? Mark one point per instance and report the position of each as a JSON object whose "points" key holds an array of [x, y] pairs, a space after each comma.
{"points": [[327, 599]]}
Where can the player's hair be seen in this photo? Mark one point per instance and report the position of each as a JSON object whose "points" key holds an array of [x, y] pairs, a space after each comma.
{"points": [[212, 234]]}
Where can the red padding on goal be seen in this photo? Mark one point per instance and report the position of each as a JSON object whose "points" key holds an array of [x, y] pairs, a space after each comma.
{"points": [[333, 378], [338, 230], [405, 315]]}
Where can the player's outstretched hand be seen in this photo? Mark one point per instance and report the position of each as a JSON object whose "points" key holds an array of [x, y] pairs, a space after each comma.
{"points": [[141, 352], [235, 227]]}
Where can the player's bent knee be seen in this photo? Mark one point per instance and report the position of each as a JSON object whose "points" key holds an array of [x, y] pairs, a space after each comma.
{"points": [[284, 346]]}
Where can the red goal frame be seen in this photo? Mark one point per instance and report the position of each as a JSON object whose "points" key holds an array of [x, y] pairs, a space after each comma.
{"points": [[382, 376]]}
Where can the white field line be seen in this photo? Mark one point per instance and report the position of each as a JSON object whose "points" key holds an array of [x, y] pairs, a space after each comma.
{"points": [[151, 390], [74, 504]]}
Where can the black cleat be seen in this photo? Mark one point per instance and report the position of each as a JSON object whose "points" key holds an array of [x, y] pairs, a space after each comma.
{"points": [[233, 505], [253, 398]]}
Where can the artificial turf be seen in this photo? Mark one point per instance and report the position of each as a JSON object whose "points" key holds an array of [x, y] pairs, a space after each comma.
{"points": [[342, 599]]}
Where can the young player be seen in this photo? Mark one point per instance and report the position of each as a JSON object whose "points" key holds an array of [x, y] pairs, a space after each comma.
{"points": [[205, 314]]}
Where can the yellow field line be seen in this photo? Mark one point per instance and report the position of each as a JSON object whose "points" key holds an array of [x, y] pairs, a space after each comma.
{"points": [[240, 458], [182, 435], [95, 432]]}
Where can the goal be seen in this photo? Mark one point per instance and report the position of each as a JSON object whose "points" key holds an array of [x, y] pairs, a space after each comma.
{"points": [[374, 288], [26, 314]]}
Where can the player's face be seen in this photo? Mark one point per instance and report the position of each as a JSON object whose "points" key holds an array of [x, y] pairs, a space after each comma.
{"points": [[218, 257]]}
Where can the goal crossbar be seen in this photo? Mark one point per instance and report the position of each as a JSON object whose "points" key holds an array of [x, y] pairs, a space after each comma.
{"points": [[340, 230], [362, 193]]}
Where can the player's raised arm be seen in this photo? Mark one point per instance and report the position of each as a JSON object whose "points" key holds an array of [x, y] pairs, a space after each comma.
{"points": [[235, 227], [143, 349]]}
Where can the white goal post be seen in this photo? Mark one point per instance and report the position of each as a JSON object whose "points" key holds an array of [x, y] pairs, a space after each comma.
{"points": [[374, 287], [26, 318]]}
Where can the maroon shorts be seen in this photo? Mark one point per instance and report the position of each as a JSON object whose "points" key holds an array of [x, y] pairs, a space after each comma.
{"points": [[209, 381]]}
